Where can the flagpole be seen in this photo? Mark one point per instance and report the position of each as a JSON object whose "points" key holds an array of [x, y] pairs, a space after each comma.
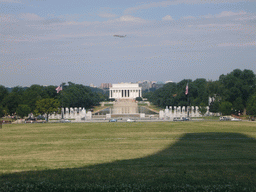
{"points": [[188, 108], [186, 92], [62, 115]]}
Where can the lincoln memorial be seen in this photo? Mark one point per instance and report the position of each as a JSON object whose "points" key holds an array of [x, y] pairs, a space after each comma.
{"points": [[125, 91]]}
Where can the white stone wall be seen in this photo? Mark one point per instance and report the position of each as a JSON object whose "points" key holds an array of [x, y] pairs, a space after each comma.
{"points": [[173, 111], [78, 114]]}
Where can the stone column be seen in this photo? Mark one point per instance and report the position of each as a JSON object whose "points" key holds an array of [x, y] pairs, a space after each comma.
{"points": [[71, 112], [67, 113], [170, 111], [178, 111], [197, 112], [192, 111]]}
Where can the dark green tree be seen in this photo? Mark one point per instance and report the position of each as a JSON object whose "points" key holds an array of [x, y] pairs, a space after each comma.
{"points": [[1, 111], [23, 110], [13, 100], [251, 105], [236, 87], [202, 109], [37, 92], [3, 94], [214, 106], [47, 106], [77, 95], [225, 108]]}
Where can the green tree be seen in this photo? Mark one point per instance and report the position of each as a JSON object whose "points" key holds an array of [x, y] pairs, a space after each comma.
{"points": [[36, 92], [214, 106], [13, 100], [76, 95], [138, 99], [238, 106], [237, 84], [1, 111], [23, 110], [225, 108], [251, 105], [47, 106], [3, 94], [202, 109]]}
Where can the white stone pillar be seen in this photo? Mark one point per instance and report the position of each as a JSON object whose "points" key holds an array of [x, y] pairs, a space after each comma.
{"points": [[197, 112], [170, 111], [183, 111], [192, 111], [175, 111]]}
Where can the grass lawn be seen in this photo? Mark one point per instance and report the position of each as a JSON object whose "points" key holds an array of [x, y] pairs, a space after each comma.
{"points": [[153, 156]]}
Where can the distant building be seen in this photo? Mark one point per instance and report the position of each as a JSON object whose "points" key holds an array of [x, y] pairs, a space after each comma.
{"points": [[91, 85], [105, 85], [125, 91]]}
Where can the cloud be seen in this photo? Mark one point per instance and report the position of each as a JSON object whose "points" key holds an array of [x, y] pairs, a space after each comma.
{"points": [[30, 17], [129, 18], [8, 18], [10, 1], [177, 2], [167, 18], [229, 14], [189, 17], [237, 44], [107, 15]]}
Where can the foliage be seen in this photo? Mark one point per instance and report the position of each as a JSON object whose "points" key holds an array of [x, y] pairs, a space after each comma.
{"points": [[225, 108], [237, 86], [1, 111], [214, 106], [23, 110], [47, 106], [13, 99], [139, 99], [77, 95], [37, 92], [173, 94], [3, 93], [202, 109], [251, 106]]}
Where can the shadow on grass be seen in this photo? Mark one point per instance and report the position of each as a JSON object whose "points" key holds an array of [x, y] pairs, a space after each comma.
{"points": [[196, 162]]}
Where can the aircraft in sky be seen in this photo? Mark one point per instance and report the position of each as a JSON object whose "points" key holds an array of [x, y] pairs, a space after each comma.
{"points": [[121, 36]]}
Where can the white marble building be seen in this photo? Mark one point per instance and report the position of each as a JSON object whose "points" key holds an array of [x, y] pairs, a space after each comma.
{"points": [[125, 91]]}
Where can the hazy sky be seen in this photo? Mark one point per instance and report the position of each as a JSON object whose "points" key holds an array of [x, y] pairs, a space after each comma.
{"points": [[48, 42]]}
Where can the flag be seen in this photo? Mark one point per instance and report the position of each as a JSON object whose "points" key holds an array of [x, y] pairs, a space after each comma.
{"points": [[58, 89], [186, 92]]}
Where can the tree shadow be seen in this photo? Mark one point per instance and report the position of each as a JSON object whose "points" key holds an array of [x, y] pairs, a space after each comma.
{"points": [[196, 159]]}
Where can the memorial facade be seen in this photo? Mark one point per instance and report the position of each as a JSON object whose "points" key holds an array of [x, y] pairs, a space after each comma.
{"points": [[125, 91]]}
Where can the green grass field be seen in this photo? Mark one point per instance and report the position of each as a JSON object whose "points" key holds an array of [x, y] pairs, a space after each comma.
{"points": [[153, 156]]}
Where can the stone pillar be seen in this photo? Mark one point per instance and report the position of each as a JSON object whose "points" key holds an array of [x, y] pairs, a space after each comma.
{"points": [[170, 111], [89, 115], [192, 111], [71, 112], [178, 111], [207, 112], [161, 114], [197, 112], [66, 113], [184, 111], [175, 111]]}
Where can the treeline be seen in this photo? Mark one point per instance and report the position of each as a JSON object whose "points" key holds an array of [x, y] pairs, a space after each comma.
{"points": [[234, 93], [25, 100]]}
